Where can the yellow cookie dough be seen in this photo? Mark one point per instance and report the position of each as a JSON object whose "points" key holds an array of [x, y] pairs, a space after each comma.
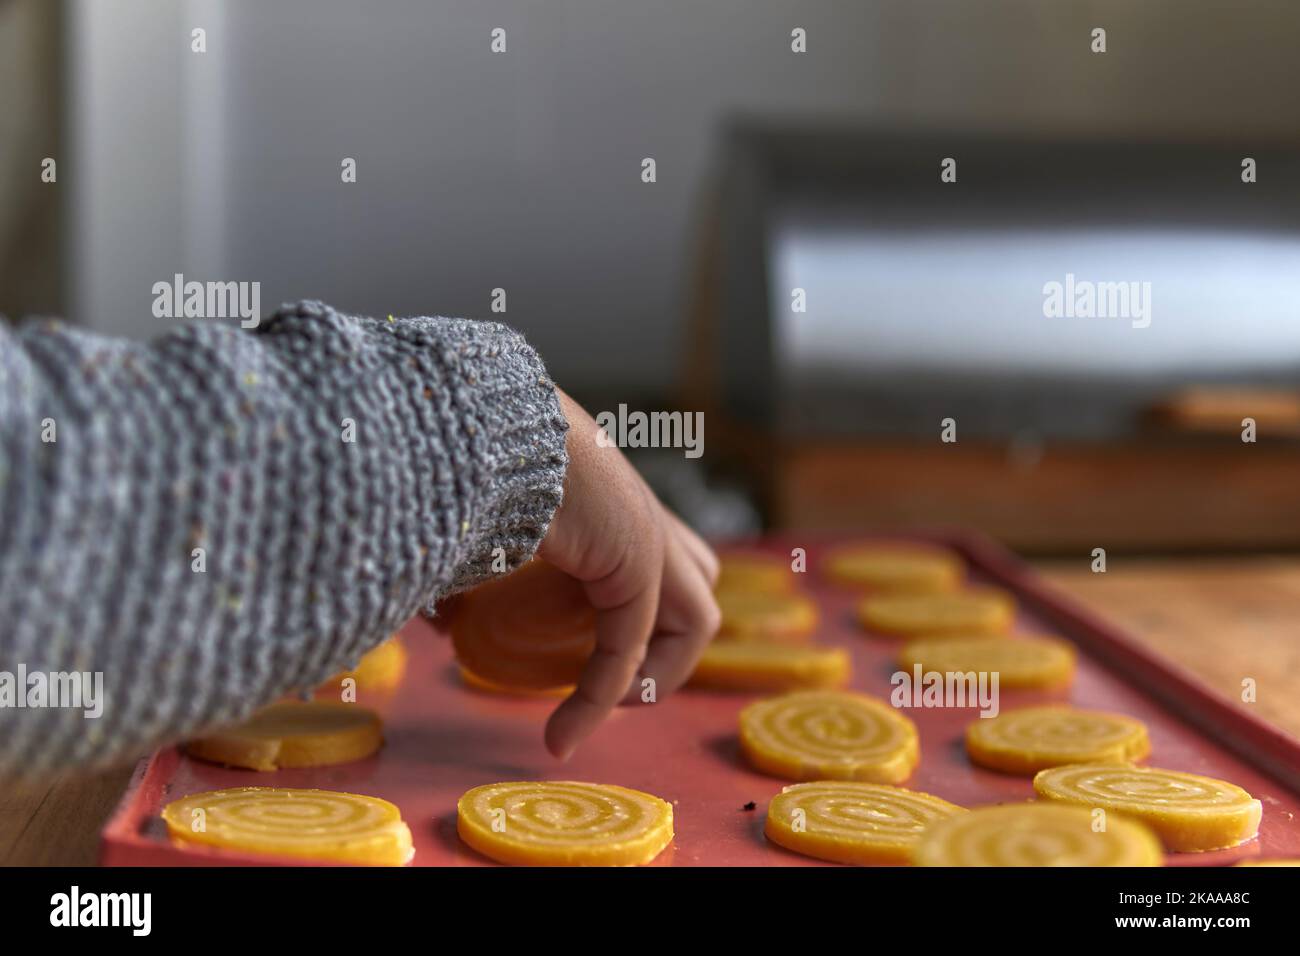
{"points": [[380, 670], [973, 611], [1020, 662], [760, 616], [533, 629], [849, 822], [1035, 834], [546, 823], [474, 682], [751, 665], [1030, 739], [1278, 861], [1187, 811], [309, 824], [829, 735], [294, 734], [895, 568], [754, 572]]}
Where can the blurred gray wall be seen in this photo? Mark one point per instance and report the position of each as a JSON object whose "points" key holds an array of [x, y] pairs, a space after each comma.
{"points": [[31, 56], [522, 170]]}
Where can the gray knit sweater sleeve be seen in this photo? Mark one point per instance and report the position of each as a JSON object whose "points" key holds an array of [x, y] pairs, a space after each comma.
{"points": [[221, 516]]}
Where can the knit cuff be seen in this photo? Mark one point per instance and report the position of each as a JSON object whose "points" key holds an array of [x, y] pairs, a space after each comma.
{"points": [[504, 407]]}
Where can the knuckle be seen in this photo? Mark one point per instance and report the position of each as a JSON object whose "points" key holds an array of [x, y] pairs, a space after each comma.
{"points": [[711, 571], [710, 616], [591, 697], [713, 566], [708, 621]]}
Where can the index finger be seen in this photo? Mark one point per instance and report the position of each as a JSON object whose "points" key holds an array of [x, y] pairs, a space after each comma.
{"points": [[626, 603]]}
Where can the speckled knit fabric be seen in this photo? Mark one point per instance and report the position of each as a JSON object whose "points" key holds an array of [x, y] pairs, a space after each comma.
{"points": [[235, 442]]}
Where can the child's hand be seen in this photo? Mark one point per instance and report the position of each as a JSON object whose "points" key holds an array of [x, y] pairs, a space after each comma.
{"points": [[649, 577]]}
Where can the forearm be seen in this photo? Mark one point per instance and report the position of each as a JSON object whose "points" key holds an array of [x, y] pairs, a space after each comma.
{"points": [[224, 517]]}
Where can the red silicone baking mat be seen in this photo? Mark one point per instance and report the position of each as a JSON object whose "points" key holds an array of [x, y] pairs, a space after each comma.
{"points": [[444, 738]]}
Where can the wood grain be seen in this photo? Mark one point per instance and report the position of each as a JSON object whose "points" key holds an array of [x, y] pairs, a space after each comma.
{"points": [[56, 822], [1148, 496], [1224, 620]]}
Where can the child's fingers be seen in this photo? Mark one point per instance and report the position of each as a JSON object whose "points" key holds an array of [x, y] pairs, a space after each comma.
{"points": [[626, 602], [696, 547], [688, 619], [611, 533], [604, 681]]}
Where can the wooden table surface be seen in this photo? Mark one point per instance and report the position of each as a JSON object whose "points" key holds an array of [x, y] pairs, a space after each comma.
{"points": [[1223, 619]]}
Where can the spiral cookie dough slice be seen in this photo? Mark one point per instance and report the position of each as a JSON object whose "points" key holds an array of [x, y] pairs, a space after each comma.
{"points": [[1030, 739], [829, 735], [474, 682], [753, 571], [895, 568], [379, 671], [1024, 662], [1278, 861], [849, 822], [309, 824], [1035, 834], [973, 611], [547, 823], [533, 630], [294, 734], [1187, 811], [760, 616], [753, 665]]}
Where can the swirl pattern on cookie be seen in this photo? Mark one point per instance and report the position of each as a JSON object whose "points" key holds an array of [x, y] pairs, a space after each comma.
{"points": [[850, 822], [1188, 812], [1035, 834], [309, 824], [564, 823], [829, 735], [1030, 739]]}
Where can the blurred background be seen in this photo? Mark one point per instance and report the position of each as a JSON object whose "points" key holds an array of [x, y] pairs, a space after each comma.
{"points": [[775, 171], [797, 271]]}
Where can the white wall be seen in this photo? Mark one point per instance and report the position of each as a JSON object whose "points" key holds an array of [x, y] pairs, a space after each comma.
{"points": [[522, 170]]}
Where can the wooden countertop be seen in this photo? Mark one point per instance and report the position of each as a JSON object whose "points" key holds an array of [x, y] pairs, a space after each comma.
{"points": [[1222, 619]]}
